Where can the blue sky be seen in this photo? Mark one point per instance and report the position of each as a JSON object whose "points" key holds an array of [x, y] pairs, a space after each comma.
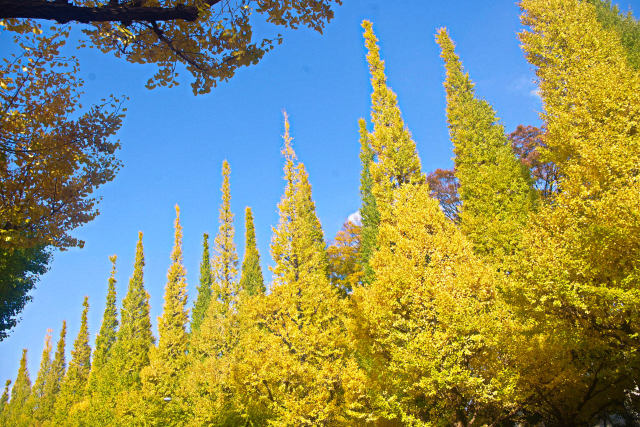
{"points": [[174, 143]]}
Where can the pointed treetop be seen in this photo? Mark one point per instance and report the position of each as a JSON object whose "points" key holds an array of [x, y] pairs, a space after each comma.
{"points": [[204, 289], [495, 187], [176, 254], [287, 150], [22, 387], [396, 159], [172, 324], [108, 330], [134, 338], [457, 81], [252, 280]]}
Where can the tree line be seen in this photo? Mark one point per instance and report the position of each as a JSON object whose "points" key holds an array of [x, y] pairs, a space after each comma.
{"points": [[504, 291]]}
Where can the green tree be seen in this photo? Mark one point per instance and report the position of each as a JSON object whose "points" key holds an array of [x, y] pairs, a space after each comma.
{"points": [[74, 384], [168, 360], [54, 377], [205, 387], [18, 410], [368, 209], [251, 280], [130, 352], [495, 188], [37, 391], [204, 289], [396, 161], [108, 329]]}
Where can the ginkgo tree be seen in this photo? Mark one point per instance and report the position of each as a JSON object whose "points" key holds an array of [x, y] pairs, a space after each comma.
{"points": [[211, 38]]}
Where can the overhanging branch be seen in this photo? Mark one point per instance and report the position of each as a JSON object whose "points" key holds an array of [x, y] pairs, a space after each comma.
{"points": [[62, 11]]}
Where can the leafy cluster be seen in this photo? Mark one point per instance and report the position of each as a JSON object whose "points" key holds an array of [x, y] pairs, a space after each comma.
{"points": [[514, 303]]}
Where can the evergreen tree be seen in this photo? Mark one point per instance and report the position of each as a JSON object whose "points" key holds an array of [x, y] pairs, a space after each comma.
{"points": [[368, 210], [54, 377], [108, 329], [495, 187], [204, 289], [396, 160], [252, 281], [74, 384], [17, 409], [225, 260], [37, 391], [167, 361]]}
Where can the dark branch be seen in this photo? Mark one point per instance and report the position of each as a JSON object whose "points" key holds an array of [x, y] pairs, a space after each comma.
{"points": [[65, 12]]}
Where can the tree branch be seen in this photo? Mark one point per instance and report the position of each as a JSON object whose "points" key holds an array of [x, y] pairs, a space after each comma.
{"points": [[62, 11]]}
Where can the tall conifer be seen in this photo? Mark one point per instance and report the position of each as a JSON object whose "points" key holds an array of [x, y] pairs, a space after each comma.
{"points": [[225, 259], [39, 386], [108, 329], [252, 281], [297, 327], [131, 349], [495, 187], [204, 289], [396, 159], [55, 376], [73, 386], [368, 210], [18, 410], [167, 361]]}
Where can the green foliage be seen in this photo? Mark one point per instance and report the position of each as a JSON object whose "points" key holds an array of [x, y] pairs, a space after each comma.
{"points": [[54, 377], [19, 271], [368, 210], [495, 187], [251, 281], [168, 360], [131, 349], [74, 384], [204, 289], [109, 327], [17, 411], [625, 25], [37, 391]]}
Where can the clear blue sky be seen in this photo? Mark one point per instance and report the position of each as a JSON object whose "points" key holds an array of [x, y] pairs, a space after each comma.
{"points": [[174, 143]]}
